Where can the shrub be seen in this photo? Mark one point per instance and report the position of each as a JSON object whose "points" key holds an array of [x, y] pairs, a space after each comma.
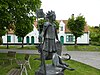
{"points": [[94, 43]]}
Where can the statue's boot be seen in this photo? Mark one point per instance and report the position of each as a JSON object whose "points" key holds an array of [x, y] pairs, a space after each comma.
{"points": [[71, 69]]}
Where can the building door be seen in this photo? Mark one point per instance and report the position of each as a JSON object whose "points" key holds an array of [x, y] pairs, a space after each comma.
{"points": [[62, 39], [32, 40], [27, 39], [8, 38]]}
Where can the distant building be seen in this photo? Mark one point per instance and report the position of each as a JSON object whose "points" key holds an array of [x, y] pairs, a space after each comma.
{"points": [[64, 35]]}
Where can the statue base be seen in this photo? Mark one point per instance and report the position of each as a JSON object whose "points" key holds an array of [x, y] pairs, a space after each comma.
{"points": [[50, 70]]}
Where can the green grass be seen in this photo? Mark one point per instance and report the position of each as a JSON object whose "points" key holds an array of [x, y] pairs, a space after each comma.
{"points": [[68, 47], [80, 69], [29, 47], [83, 48]]}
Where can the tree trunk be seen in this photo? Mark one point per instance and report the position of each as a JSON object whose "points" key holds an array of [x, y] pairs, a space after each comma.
{"points": [[1, 41], [22, 42], [75, 42]]}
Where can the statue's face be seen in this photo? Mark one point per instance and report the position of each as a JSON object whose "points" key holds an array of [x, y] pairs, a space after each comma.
{"points": [[51, 16]]}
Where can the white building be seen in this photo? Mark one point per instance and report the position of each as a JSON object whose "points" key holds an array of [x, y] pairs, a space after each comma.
{"points": [[64, 36]]}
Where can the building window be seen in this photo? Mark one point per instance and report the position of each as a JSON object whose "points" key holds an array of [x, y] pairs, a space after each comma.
{"points": [[9, 38], [19, 39], [70, 38], [61, 28]]}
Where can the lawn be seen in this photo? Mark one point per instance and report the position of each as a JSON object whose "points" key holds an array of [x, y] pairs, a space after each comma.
{"points": [[80, 69], [29, 47], [82, 48], [68, 47]]}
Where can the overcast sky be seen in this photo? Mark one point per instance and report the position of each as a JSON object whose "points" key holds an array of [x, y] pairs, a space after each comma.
{"points": [[90, 9]]}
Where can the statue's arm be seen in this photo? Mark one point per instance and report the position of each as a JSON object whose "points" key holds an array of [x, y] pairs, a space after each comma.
{"points": [[43, 32]]}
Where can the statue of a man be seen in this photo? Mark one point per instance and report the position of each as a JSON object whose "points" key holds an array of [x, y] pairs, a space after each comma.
{"points": [[49, 35]]}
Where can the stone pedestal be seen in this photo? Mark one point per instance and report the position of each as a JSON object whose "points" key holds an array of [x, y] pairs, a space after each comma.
{"points": [[50, 70]]}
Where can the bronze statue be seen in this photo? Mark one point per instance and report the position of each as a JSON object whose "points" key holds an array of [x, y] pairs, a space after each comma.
{"points": [[57, 62], [49, 35], [49, 49]]}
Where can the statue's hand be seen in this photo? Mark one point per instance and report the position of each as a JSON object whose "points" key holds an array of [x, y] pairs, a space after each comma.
{"points": [[57, 41]]}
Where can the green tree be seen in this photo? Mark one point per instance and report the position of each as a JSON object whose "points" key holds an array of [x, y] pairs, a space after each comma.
{"points": [[5, 18], [94, 35], [2, 32], [76, 26], [57, 24], [24, 16], [40, 24], [18, 11]]}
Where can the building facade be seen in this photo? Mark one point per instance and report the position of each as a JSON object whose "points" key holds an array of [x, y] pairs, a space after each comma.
{"points": [[64, 36]]}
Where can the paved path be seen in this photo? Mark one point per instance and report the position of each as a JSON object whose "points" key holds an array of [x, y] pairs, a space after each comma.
{"points": [[89, 58]]}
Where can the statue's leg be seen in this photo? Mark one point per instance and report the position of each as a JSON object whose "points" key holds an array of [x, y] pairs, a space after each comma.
{"points": [[45, 54], [65, 64], [50, 55], [68, 68], [71, 69]]}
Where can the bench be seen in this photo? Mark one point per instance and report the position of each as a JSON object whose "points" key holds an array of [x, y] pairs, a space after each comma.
{"points": [[14, 71], [11, 55], [23, 63]]}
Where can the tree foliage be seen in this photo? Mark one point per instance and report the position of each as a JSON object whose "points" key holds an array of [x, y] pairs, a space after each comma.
{"points": [[24, 17], [40, 25], [57, 24], [94, 35], [19, 11], [76, 26], [5, 18]]}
